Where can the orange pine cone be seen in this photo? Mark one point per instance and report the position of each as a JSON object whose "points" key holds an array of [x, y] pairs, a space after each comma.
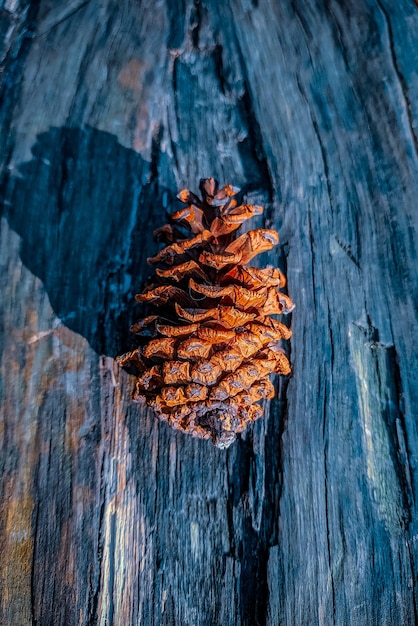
{"points": [[207, 350]]}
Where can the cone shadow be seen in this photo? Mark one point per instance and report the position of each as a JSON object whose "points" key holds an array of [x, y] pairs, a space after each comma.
{"points": [[85, 207]]}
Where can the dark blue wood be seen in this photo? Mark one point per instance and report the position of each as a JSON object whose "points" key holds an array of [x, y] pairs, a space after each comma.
{"points": [[108, 108]]}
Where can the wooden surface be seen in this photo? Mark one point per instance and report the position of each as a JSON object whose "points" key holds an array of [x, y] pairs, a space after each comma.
{"points": [[107, 516]]}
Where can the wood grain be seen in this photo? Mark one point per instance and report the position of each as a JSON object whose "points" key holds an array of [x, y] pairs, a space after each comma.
{"points": [[108, 108]]}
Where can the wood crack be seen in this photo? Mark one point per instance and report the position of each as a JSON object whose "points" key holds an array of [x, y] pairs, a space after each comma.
{"points": [[327, 497], [346, 248], [255, 132], [399, 75], [59, 16]]}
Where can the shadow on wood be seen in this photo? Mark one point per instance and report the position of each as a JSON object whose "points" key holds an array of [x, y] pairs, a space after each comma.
{"points": [[83, 207]]}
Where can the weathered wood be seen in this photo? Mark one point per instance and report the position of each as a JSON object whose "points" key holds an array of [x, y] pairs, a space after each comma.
{"points": [[108, 108]]}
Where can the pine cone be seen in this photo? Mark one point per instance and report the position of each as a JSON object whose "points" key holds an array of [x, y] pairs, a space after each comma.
{"points": [[209, 345]]}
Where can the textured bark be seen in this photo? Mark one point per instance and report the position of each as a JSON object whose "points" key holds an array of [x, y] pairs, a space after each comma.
{"points": [[108, 108]]}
